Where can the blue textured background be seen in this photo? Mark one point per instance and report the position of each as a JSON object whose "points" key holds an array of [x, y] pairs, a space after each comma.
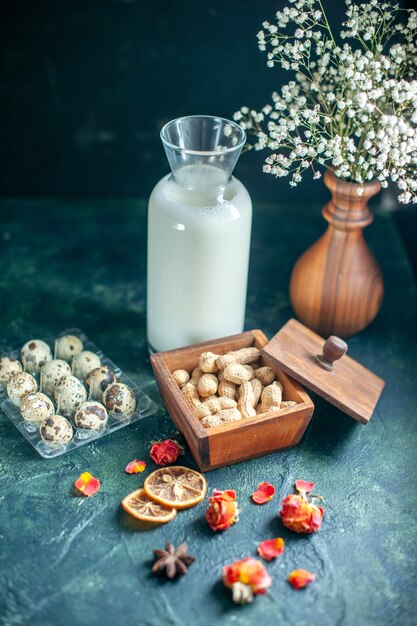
{"points": [[68, 561]]}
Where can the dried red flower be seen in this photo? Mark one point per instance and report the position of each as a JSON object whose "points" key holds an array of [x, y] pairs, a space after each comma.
{"points": [[300, 578], [222, 511], [165, 452], [264, 493], [299, 513], [271, 548], [87, 484], [136, 466], [246, 578]]}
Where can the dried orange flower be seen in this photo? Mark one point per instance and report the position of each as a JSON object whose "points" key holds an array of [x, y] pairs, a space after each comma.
{"points": [[264, 493], [222, 511], [299, 513], [271, 548], [87, 484], [246, 578], [300, 578]]}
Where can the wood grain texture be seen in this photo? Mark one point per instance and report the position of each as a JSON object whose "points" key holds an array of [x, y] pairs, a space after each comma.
{"points": [[336, 286], [349, 386], [237, 441]]}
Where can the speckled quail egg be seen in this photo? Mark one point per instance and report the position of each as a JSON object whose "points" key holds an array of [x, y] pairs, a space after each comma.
{"points": [[119, 400], [35, 354], [67, 347], [56, 431], [19, 385], [52, 373], [69, 394], [91, 416], [36, 407], [84, 363], [8, 367], [98, 380]]}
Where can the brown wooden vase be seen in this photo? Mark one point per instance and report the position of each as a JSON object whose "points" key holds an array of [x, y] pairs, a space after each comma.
{"points": [[336, 286]]}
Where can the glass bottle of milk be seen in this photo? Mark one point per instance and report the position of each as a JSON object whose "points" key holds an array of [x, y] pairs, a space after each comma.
{"points": [[199, 227]]}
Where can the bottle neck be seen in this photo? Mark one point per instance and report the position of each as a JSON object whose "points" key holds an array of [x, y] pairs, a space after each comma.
{"points": [[200, 178]]}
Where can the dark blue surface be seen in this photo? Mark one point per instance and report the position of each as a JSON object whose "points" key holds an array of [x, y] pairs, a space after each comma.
{"points": [[67, 561]]}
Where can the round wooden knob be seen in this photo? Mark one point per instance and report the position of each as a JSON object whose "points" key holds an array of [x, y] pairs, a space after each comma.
{"points": [[334, 348]]}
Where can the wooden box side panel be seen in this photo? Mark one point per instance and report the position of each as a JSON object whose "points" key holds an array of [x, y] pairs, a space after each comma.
{"points": [[255, 439]]}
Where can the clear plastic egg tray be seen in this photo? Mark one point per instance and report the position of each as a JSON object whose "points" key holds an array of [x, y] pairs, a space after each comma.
{"points": [[30, 430]]}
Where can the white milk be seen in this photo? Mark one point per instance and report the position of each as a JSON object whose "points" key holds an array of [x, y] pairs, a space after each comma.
{"points": [[198, 255]]}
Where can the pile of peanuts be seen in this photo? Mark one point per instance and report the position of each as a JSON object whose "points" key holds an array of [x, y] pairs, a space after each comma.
{"points": [[229, 387]]}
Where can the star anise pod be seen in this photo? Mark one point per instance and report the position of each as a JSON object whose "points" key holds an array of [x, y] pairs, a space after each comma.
{"points": [[172, 561]]}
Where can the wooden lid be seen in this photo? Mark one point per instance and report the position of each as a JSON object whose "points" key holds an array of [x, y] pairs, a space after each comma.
{"points": [[323, 367]]}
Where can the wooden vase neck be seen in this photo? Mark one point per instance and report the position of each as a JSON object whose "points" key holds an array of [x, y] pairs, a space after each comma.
{"points": [[336, 286], [348, 210]]}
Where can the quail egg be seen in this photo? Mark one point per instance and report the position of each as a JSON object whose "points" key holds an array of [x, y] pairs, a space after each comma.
{"points": [[84, 363], [91, 416], [69, 394], [98, 380], [35, 354], [8, 367], [67, 347], [52, 373], [119, 400], [36, 407], [56, 431], [19, 385]]}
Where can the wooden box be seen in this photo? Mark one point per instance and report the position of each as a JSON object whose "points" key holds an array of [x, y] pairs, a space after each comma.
{"points": [[237, 441]]}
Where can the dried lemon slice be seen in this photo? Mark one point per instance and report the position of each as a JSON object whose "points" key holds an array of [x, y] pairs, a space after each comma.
{"points": [[139, 505], [179, 487]]}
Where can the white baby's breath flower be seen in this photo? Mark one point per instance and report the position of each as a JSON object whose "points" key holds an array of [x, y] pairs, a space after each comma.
{"points": [[352, 107]]}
